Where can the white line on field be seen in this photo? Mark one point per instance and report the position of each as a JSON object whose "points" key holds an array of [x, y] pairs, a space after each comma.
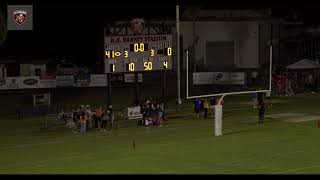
{"points": [[235, 162], [298, 169]]}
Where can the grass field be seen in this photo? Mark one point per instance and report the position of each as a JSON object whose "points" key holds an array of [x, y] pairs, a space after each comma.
{"points": [[184, 145]]}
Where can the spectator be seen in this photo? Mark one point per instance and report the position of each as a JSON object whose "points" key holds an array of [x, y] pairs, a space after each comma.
{"points": [[254, 99], [197, 106], [205, 107], [88, 113], [202, 107], [254, 76], [221, 103], [161, 114], [110, 115], [261, 105], [83, 120], [268, 97], [104, 121], [213, 102], [98, 114]]}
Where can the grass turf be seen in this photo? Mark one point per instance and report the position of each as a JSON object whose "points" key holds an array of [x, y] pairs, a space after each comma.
{"points": [[185, 144]]}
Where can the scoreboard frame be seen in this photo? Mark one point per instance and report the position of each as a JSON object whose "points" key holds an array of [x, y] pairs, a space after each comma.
{"points": [[128, 54]]}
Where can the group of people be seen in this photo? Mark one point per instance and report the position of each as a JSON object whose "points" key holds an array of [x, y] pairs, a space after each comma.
{"points": [[202, 106], [152, 110], [85, 118], [287, 85]]}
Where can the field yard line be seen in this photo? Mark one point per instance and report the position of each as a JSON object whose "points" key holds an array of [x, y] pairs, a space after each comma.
{"points": [[121, 133], [30, 145], [31, 130], [76, 155], [41, 163], [79, 138], [297, 169], [238, 162]]}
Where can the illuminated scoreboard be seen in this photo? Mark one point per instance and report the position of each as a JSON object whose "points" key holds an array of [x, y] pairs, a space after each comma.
{"points": [[138, 53]]}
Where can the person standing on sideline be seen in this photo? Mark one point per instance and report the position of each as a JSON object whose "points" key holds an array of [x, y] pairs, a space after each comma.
{"points": [[83, 120], [254, 76], [254, 100], [98, 117], [205, 107], [213, 102], [261, 106], [202, 107], [110, 115], [268, 97], [197, 104]]}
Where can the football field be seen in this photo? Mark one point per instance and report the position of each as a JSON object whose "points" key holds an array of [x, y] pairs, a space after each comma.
{"points": [[287, 143]]}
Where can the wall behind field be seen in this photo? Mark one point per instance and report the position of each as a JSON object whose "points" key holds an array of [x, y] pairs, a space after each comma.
{"points": [[244, 34]]}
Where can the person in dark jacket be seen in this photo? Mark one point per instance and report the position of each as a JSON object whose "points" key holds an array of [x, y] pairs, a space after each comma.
{"points": [[261, 106]]}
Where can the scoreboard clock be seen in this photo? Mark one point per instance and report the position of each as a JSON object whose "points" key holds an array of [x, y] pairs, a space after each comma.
{"points": [[138, 53]]}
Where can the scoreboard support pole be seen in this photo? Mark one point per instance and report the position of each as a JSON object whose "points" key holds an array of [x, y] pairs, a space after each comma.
{"points": [[164, 87], [109, 89], [137, 94], [178, 53]]}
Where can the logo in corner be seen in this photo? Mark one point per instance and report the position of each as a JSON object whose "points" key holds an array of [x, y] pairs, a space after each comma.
{"points": [[20, 16]]}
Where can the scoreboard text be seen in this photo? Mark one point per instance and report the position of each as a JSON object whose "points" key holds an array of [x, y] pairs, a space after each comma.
{"points": [[138, 53]]}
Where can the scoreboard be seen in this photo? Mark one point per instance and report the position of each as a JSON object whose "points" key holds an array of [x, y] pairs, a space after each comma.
{"points": [[138, 53]]}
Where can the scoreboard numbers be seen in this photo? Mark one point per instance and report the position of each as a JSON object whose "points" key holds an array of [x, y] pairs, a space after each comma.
{"points": [[165, 65], [138, 53], [130, 67], [138, 47], [112, 68], [169, 51], [108, 54], [147, 66]]}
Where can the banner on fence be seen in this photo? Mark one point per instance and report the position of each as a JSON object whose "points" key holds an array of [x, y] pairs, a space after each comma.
{"points": [[48, 83], [82, 80], [12, 82], [134, 112], [29, 82], [98, 80], [65, 81], [130, 78], [223, 78]]}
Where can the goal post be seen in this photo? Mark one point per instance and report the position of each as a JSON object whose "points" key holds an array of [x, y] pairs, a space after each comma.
{"points": [[219, 107]]}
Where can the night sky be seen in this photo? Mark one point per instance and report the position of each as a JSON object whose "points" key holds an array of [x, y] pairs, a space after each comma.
{"points": [[77, 30], [73, 30]]}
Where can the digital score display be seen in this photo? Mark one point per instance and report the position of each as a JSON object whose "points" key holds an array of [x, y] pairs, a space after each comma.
{"points": [[138, 53]]}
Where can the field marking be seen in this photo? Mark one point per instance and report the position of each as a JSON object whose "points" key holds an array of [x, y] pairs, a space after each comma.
{"points": [[117, 133], [124, 133], [297, 169], [76, 155], [234, 162], [29, 145]]}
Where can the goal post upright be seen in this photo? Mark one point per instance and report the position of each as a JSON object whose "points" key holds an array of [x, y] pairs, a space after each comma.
{"points": [[219, 106]]}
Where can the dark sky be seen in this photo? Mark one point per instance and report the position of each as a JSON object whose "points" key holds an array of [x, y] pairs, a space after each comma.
{"points": [[73, 30], [77, 30]]}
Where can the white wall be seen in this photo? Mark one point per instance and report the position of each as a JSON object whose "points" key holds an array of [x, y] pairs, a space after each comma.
{"points": [[245, 35]]}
